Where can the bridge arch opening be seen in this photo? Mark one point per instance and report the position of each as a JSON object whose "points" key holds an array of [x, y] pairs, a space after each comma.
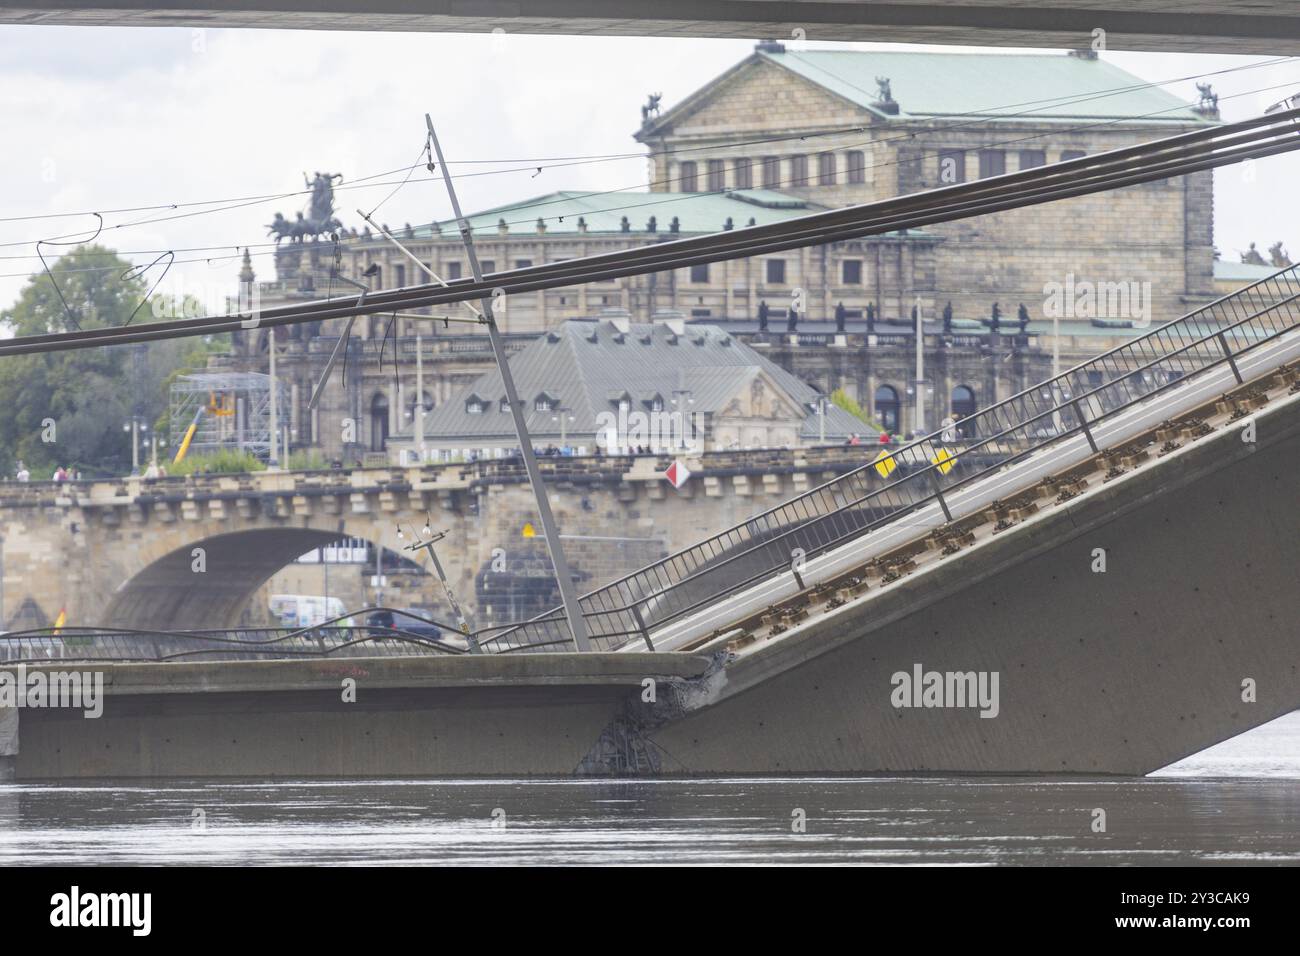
{"points": [[212, 582]]}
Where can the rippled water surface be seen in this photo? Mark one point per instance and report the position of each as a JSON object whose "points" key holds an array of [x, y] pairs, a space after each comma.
{"points": [[1237, 802]]}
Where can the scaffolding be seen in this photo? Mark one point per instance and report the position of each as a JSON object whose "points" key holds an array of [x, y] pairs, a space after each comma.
{"points": [[232, 410]]}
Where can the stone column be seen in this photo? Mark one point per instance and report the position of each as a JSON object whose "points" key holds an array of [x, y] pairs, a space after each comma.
{"points": [[8, 743]]}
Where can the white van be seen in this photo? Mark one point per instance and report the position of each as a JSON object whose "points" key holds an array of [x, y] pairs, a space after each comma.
{"points": [[305, 610]]}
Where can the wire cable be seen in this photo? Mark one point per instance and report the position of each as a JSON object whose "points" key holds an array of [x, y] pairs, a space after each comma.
{"points": [[1148, 162]]}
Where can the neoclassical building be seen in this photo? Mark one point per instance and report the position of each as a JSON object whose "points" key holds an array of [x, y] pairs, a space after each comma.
{"points": [[779, 135]]}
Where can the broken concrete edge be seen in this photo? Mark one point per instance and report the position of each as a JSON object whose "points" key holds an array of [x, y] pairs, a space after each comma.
{"points": [[497, 670], [1096, 507], [626, 744]]}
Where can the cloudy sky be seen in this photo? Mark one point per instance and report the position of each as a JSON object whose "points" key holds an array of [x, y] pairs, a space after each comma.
{"points": [[95, 120]]}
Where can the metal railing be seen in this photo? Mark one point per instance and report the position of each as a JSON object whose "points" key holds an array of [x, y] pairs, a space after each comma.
{"points": [[330, 639], [920, 473]]}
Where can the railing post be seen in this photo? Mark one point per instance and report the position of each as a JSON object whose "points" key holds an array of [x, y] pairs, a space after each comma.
{"points": [[1236, 372], [640, 623], [938, 492], [1083, 423]]}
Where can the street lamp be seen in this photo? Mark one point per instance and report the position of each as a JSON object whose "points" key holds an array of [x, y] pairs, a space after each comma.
{"points": [[682, 397], [919, 418], [135, 427], [563, 417], [424, 541]]}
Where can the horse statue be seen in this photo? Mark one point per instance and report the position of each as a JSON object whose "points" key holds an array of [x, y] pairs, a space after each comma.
{"points": [[651, 107], [280, 227]]}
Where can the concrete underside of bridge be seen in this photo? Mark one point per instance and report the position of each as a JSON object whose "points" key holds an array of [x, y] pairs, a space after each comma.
{"points": [[168, 591], [1186, 639], [1262, 26]]}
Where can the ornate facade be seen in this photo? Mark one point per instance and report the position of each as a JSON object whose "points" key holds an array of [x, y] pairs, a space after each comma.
{"points": [[777, 136]]}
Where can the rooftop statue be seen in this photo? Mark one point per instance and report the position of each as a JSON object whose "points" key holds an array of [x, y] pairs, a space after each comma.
{"points": [[651, 107], [321, 219], [1209, 103]]}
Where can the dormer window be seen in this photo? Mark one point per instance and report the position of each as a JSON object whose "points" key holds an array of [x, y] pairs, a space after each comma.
{"points": [[657, 403], [503, 406], [475, 406], [545, 403]]}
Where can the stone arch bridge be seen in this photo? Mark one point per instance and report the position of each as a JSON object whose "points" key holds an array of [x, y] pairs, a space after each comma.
{"points": [[120, 553]]}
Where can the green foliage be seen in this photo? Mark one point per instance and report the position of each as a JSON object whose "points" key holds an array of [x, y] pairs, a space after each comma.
{"points": [[307, 461], [845, 401], [224, 462], [69, 408]]}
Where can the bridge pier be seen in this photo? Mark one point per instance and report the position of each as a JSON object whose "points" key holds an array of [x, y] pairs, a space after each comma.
{"points": [[8, 743]]}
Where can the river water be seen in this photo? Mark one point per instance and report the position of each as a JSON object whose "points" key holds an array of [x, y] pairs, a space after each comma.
{"points": [[1238, 802]]}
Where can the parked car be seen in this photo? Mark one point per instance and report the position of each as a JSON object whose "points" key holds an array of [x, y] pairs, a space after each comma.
{"points": [[409, 622]]}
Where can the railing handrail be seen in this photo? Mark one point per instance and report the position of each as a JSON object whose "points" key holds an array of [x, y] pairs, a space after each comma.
{"points": [[910, 476], [1189, 321]]}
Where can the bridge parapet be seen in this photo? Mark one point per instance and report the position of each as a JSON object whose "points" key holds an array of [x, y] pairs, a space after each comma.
{"points": [[123, 551], [804, 464]]}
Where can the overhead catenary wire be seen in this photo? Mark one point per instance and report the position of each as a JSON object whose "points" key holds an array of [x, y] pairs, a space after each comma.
{"points": [[667, 198], [1160, 173], [1177, 155], [969, 118], [688, 196]]}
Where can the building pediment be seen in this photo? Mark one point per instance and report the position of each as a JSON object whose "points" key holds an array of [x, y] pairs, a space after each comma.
{"points": [[760, 397], [752, 94]]}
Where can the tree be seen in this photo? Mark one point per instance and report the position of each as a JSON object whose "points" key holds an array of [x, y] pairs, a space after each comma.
{"points": [[68, 408], [845, 401]]}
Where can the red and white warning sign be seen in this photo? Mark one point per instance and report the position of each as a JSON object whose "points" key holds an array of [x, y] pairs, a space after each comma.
{"points": [[677, 473]]}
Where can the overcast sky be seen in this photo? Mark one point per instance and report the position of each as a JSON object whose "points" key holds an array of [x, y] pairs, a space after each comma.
{"points": [[97, 119]]}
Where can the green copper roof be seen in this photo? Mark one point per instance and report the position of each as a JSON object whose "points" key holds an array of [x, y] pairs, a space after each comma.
{"points": [[1002, 86], [604, 212], [1242, 271]]}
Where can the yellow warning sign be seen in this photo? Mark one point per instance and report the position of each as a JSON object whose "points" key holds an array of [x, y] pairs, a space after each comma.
{"points": [[946, 461], [528, 531], [885, 464]]}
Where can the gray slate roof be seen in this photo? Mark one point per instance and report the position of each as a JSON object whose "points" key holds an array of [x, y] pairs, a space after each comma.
{"points": [[588, 377]]}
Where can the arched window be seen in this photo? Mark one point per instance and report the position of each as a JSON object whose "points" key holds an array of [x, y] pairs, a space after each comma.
{"points": [[689, 178], [963, 402], [378, 421], [743, 173], [717, 175], [887, 407], [857, 161], [799, 170], [826, 169]]}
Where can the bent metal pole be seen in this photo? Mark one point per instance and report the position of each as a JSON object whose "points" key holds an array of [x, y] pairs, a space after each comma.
{"points": [[568, 596]]}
